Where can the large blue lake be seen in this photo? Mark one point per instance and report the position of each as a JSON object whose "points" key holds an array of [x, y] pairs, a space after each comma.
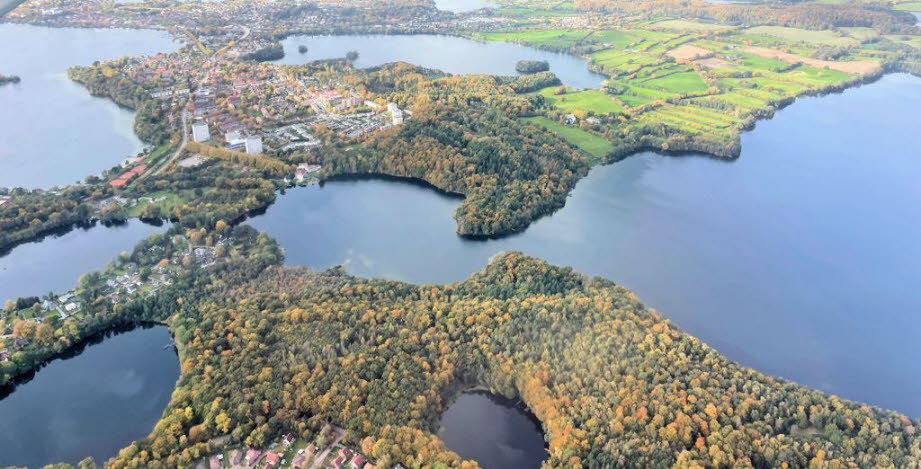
{"points": [[801, 258], [451, 54], [52, 132]]}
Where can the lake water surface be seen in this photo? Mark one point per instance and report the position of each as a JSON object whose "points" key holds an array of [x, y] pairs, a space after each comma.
{"points": [[57, 261], [93, 404], [451, 54], [52, 132], [462, 6], [493, 431], [801, 258]]}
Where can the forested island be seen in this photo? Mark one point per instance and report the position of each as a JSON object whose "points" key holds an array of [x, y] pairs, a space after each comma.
{"points": [[532, 66]]}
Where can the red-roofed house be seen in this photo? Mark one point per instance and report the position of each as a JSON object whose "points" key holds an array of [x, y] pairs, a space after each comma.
{"points": [[272, 458], [357, 462], [252, 455]]}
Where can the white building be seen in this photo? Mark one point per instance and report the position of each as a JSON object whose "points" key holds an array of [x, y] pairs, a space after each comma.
{"points": [[397, 117], [392, 107], [200, 132], [253, 145]]}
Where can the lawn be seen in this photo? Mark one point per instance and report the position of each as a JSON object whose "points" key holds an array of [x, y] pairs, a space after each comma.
{"points": [[593, 101], [830, 38], [592, 144]]}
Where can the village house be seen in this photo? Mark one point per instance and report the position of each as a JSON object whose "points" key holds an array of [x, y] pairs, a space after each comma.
{"points": [[272, 458], [252, 455], [357, 462]]}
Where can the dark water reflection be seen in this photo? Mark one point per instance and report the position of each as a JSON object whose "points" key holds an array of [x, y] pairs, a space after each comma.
{"points": [[493, 431], [92, 404], [801, 258]]}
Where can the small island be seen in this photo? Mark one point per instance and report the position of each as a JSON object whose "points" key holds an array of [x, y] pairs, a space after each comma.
{"points": [[532, 66], [302, 49], [5, 79]]}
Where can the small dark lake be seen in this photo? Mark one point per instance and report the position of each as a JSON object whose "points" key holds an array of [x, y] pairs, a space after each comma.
{"points": [[56, 262], [800, 259], [92, 404], [456, 55], [494, 431]]}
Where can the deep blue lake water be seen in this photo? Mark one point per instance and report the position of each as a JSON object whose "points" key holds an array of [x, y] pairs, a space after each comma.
{"points": [[92, 404], [801, 258], [53, 131], [455, 55]]}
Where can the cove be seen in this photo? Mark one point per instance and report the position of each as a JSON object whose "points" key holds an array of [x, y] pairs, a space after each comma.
{"points": [[456, 55], [92, 403], [494, 431], [799, 259], [55, 262], [54, 132]]}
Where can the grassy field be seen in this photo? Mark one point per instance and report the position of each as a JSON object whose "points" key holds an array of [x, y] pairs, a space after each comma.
{"points": [[592, 144], [908, 6], [554, 37], [687, 25], [679, 82], [803, 35], [593, 101]]}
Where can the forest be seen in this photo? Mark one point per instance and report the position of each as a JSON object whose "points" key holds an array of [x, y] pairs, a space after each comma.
{"points": [[612, 383]]}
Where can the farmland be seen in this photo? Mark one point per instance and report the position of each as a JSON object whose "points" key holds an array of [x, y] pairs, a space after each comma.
{"points": [[590, 143]]}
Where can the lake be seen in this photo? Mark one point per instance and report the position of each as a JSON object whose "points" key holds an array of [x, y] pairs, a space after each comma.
{"points": [[54, 132], [801, 258], [456, 55], [493, 431], [92, 404], [462, 6], [56, 262]]}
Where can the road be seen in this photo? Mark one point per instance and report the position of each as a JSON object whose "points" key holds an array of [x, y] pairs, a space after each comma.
{"points": [[178, 152], [321, 457]]}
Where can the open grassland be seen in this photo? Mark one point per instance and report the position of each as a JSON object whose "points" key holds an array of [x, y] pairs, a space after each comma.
{"points": [[854, 67], [829, 38], [687, 25], [592, 101], [590, 143], [908, 6], [554, 38], [685, 82]]}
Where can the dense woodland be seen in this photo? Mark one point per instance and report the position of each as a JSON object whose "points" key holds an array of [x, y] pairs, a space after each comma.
{"points": [[612, 383]]}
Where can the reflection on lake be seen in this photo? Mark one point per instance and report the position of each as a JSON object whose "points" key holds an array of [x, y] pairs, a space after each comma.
{"points": [[462, 6], [57, 261], [93, 404], [800, 258], [54, 132], [454, 55], [493, 431]]}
